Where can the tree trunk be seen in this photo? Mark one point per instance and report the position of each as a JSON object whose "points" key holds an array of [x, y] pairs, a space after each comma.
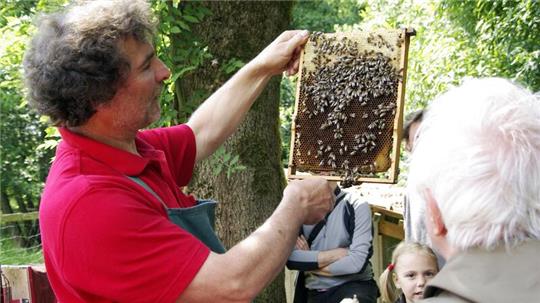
{"points": [[241, 30], [4, 203]]}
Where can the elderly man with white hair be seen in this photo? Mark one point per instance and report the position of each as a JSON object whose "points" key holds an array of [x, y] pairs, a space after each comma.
{"points": [[476, 170]]}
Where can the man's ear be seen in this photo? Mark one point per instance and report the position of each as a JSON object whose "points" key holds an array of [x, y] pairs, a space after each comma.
{"points": [[433, 215], [436, 228]]}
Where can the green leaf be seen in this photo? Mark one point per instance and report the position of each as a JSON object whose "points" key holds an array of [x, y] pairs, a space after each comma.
{"points": [[183, 25], [186, 70], [175, 30], [226, 157], [191, 19]]}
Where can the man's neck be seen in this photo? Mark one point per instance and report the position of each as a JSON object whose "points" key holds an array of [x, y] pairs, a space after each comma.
{"points": [[443, 247], [123, 141]]}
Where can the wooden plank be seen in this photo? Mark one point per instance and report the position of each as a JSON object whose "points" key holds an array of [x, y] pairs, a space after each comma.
{"points": [[386, 212], [385, 226], [339, 178], [398, 119], [391, 230], [377, 259], [292, 165], [17, 275], [16, 217]]}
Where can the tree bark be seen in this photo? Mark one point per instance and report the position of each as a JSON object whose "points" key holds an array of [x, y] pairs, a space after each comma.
{"points": [[4, 203], [241, 30]]}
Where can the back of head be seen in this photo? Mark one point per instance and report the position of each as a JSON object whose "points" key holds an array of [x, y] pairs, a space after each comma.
{"points": [[74, 61], [479, 154]]}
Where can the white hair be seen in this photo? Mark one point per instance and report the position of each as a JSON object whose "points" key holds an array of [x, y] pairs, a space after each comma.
{"points": [[479, 153]]}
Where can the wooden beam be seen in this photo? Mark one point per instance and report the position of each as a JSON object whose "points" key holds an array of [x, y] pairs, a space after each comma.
{"points": [[391, 228], [17, 217]]}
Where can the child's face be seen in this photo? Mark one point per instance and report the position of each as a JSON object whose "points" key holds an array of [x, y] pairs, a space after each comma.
{"points": [[412, 272]]}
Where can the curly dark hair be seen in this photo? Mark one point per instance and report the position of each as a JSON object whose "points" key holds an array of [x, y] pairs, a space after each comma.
{"points": [[74, 62]]}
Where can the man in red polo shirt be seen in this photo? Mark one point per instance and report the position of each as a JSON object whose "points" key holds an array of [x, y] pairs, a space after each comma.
{"points": [[94, 72]]}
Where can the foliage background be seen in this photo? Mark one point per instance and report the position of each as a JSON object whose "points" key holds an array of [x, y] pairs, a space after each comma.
{"points": [[455, 39], [24, 141]]}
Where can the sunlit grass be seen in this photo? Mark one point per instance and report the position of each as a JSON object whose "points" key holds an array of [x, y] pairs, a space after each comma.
{"points": [[12, 254]]}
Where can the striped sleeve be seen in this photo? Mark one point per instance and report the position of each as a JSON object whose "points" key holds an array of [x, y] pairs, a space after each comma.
{"points": [[303, 260]]}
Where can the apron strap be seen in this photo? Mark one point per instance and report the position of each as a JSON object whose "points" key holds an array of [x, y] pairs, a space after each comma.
{"points": [[198, 220], [148, 189]]}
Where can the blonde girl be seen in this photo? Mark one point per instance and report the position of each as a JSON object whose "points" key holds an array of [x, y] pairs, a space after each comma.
{"points": [[404, 280]]}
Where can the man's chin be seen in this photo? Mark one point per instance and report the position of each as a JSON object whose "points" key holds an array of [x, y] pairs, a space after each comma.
{"points": [[155, 113]]}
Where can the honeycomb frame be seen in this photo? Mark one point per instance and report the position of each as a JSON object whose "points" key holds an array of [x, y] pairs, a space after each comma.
{"points": [[379, 164]]}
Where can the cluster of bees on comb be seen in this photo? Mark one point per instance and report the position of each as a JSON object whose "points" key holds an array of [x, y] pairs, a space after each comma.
{"points": [[347, 102]]}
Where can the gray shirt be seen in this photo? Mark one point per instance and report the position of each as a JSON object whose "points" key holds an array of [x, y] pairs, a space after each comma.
{"points": [[333, 235]]}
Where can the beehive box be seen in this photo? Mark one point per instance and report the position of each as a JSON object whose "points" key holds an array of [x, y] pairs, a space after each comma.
{"points": [[349, 106]]}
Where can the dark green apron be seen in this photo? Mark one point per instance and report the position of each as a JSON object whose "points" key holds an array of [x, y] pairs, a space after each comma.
{"points": [[198, 220]]}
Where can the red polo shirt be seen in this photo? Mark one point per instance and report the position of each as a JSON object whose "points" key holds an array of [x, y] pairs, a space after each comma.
{"points": [[105, 238]]}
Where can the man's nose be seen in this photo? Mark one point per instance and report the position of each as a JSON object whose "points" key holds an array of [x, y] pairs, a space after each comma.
{"points": [[163, 72]]}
